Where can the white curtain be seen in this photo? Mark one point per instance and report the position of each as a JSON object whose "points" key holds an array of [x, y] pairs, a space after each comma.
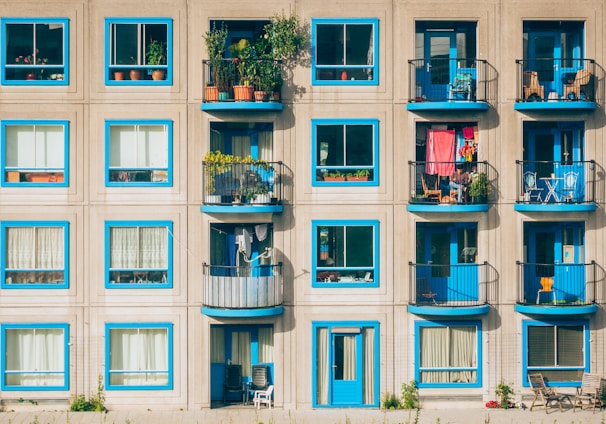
{"points": [[217, 141], [368, 364], [138, 248], [322, 366], [266, 150], [37, 356], [434, 353], [35, 146], [240, 350], [349, 357], [448, 347], [35, 248], [138, 146], [217, 345], [240, 145], [266, 344], [140, 355], [463, 353]]}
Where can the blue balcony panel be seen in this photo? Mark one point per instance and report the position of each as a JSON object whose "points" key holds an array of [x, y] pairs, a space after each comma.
{"points": [[242, 313], [557, 105], [448, 311], [556, 310], [241, 106], [242, 208], [446, 207], [551, 207], [459, 105]]}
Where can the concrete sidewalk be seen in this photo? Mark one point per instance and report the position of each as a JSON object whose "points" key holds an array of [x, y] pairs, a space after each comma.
{"points": [[328, 416]]}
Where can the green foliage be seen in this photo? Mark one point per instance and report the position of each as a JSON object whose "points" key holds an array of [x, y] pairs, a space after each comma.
{"points": [[215, 39], [410, 395], [286, 36], [390, 401], [480, 185], [504, 392], [156, 53], [79, 403]]}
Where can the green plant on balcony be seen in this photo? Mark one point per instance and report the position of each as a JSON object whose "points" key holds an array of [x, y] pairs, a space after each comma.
{"points": [[216, 40], [479, 186], [156, 56], [215, 164]]}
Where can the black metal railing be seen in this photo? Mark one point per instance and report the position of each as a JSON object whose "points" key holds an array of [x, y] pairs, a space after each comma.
{"points": [[562, 284], [466, 284], [242, 287], [557, 80], [430, 182], [544, 182], [242, 183], [440, 80], [229, 80]]}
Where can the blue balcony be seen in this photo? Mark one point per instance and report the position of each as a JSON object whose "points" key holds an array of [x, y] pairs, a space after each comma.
{"points": [[557, 289], [451, 290], [431, 191], [548, 186], [241, 187], [242, 85], [557, 84], [451, 84], [236, 291]]}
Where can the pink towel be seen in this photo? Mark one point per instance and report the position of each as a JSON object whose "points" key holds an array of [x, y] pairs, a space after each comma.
{"points": [[468, 133], [439, 156]]}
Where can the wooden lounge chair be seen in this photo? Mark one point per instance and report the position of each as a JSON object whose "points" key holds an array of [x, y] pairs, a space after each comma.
{"points": [[545, 395], [589, 395], [532, 86], [431, 191], [583, 83]]}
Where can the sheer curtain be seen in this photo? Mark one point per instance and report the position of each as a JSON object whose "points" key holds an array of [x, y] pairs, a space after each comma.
{"points": [[434, 354], [266, 344], [463, 353], [35, 146], [322, 366], [34, 248], [217, 345], [266, 151], [448, 347], [240, 350], [36, 356], [138, 248], [139, 357], [368, 364], [240, 145], [349, 357]]}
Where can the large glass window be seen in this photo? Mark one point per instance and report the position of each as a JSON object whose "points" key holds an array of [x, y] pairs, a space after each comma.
{"points": [[136, 48], [139, 356], [139, 255], [447, 354], [558, 350], [35, 153], [35, 357], [36, 51], [35, 255], [345, 51], [345, 152], [345, 253], [139, 153]]}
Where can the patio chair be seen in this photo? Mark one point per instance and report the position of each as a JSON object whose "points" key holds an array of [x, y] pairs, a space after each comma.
{"points": [[259, 379], [424, 290], [542, 393], [263, 397], [532, 89], [461, 88], [530, 186], [583, 83], [589, 395], [570, 186], [431, 191], [546, 287], [233, 382]]}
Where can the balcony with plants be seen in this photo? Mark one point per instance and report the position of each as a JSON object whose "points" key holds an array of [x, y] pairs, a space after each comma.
{"points": [[556, 186], [558, 288], [450, 84], [233, 184]]}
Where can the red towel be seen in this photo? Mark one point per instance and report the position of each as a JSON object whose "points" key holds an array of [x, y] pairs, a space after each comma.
{"points": [[439, 156]]}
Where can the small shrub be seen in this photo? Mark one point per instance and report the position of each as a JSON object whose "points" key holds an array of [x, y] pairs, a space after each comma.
{"points": [[390, 402], [410, 395], [79, 403]]}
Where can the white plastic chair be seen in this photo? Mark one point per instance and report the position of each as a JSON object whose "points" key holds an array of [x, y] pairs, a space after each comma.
{"points": [[263, 397]]}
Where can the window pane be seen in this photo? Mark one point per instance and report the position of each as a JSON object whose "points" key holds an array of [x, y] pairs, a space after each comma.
{"points": [[359, 148], [330, 44], [124, 47], [330, 145], [358, 45], [541, 346], [570, 346], [360, 247], [35, 146]]}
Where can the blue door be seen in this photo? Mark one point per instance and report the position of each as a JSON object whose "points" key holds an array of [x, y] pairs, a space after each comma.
{"points": [[346, 368]]}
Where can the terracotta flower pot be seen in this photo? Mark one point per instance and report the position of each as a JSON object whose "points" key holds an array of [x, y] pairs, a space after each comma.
{"points": [[135, 74], [158, 74], [259, 96], [119, 76], [243, 93], [211, 94]]}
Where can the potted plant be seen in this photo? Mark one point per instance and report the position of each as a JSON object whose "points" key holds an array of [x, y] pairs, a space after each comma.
{"points": [[241, 54], [135, 74], [358, 175], [334, 176], [215, 164], [479, 188], [156, 56], [216, 39]]}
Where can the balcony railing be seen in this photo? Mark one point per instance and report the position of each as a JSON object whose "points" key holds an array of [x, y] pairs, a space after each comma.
{"points": [[236, 80], [548, 182], [240, 183], [466, 284], [567, 283], [557, 80], [430, 183], [446, 80], [237, 287]]}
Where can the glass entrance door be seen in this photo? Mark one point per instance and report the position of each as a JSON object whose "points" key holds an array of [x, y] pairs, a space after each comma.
{"points": [[346, 364]]}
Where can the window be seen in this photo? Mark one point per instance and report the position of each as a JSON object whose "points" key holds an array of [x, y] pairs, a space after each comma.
{"points": [[35, 154], [140, 356], [35, 255], [35, 357], [345, 51], [139, 153], [36, 51], [137, 47], [139, 255], [345, 152], [447, 354], [345, 253], [558, 350]]}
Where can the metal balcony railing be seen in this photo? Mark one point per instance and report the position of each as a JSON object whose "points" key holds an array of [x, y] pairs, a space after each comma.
{"points": [[237, 287], [465, 284], [543, 182], [441, 80], [562, 284], [242, 183], [430, 182], [557, 80]]}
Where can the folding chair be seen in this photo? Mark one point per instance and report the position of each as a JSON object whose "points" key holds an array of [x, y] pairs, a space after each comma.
{"points": [[589, 395], [233, 382], [424, 290], [546, 395], [532, 89]]}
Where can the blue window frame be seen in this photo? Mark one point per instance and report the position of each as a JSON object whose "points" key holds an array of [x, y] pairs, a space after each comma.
{"points": [[139, 356], [36, 51], [138, 153], [35, 356], [345, 253], [345, 51], [35, 153], [448, 353], [138, 254], [35, 254], [345, 152], [345, 364], [127, 43], [557, 349]]}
